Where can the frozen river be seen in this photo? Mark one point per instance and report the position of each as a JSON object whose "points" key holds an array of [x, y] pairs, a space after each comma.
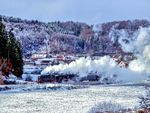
{"points": [[68, 101]]}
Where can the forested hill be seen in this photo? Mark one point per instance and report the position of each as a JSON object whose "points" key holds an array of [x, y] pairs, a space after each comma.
{"points": [[71, 37]]}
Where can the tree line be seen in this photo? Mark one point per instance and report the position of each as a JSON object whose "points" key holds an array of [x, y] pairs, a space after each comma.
{"points": [[10, 53]]}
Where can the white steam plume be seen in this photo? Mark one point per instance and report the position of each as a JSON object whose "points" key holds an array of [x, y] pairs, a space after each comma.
{"points": [[140, 46]]}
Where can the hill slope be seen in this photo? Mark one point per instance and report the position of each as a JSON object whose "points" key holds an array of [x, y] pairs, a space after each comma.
{"points": [[71, 37]]}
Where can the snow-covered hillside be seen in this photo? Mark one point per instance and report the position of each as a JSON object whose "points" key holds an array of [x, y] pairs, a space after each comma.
{"points": [[71, 37]]}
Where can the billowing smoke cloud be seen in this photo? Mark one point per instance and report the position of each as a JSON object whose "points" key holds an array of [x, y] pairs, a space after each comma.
{"points": [[140, 46], [84, 66], [138, 69]]}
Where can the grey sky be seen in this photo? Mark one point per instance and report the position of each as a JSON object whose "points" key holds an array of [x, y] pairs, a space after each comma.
{"points": [[89, 11]]}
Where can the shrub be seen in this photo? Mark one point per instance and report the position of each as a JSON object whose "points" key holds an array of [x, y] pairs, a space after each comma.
{"points": [[145, 100], [106, 107]]}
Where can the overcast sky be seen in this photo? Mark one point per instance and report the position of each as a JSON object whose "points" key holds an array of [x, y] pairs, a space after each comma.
{"points": [[89, 11]]}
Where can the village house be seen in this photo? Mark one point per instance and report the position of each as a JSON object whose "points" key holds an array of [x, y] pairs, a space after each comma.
{"points": [[38, 56], [119, 60]]}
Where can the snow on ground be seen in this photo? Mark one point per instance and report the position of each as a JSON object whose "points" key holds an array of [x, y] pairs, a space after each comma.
{"points": [[30, 86], [68, 101]]}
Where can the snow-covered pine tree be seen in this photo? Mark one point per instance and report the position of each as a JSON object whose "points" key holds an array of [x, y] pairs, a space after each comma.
{"points": [[15, 55], [10, 53]]}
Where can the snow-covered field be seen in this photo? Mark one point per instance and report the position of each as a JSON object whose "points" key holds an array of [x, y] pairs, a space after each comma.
{"points": [[77, 100], [61, 98]]}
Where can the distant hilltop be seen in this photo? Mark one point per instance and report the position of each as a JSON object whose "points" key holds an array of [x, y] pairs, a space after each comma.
{"points": [[71, 37]]}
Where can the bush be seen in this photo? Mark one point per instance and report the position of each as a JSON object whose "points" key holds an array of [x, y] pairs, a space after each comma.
{"points": [[145, 100], [106, 107]]}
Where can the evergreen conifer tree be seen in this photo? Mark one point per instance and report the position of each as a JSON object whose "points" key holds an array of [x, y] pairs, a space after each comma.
{"points": [[10, 53], [15, 55]]}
